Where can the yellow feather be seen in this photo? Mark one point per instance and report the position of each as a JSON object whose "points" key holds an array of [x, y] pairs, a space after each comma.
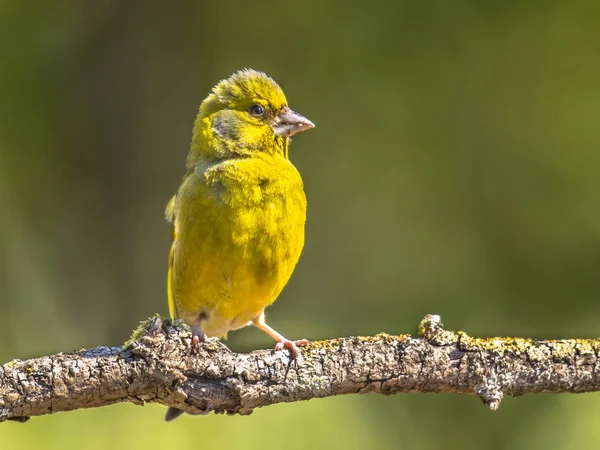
{"points": [[170, 210]]}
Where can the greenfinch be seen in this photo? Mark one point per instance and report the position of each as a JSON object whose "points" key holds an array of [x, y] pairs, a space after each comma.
{"points": [[238, 216]]}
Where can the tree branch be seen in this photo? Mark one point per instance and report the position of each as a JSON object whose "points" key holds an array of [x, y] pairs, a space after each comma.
{"points": [[159, 366]]}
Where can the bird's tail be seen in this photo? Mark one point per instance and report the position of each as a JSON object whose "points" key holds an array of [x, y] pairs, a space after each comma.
{"points": [[173, 413]]}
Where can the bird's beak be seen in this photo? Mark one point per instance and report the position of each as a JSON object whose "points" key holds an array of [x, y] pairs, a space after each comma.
{"points": [[288, 122]]}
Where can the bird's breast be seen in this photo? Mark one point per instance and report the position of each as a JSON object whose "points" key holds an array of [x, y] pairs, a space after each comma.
{"points": [[266, 214]]}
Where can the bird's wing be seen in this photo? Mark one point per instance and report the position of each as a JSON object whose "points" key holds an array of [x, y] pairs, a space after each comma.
{"points": [[172, 306], [170, 210], [170, 216]]}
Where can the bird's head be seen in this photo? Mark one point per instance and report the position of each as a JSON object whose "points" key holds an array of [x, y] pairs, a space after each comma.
{"points": [[245, 114]]}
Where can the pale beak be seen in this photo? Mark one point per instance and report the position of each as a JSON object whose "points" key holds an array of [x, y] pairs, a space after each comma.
{"points": [[288, 122]]}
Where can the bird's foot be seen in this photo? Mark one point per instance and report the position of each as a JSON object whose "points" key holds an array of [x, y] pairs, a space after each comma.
{"points": [[292, 346], [197, 337]]}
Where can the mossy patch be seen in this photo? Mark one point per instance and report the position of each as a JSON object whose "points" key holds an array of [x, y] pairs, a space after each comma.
{"points": [[146, 325]]}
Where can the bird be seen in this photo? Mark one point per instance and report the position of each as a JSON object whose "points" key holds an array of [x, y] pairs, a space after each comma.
{"points": [[239, 214]]}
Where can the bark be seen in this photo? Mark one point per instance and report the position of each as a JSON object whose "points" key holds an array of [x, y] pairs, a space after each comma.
{"points": [[159, 365]]}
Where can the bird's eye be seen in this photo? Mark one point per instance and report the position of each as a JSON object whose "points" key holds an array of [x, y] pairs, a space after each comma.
{"points": [[257, 110]]}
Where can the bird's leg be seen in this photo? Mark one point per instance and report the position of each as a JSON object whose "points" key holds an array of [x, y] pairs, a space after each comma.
{"points": [[197, 334], [282, 342]]}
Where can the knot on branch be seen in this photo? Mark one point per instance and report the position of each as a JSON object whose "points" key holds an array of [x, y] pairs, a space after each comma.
{"points": [[490, 394], [432, 329]]}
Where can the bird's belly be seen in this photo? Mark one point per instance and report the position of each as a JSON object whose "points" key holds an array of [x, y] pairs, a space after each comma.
{"points": [[231, 266], [242, 297]]}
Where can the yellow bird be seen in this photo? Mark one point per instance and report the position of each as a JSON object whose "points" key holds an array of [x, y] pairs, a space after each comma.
{"points": [[239, 214]]}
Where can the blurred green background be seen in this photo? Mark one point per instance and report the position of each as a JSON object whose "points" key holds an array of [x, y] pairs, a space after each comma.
{"points": [[454, 169]]}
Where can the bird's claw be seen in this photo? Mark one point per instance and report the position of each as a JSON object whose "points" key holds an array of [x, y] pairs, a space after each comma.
{"points": [[197, 337], [292, 346]]}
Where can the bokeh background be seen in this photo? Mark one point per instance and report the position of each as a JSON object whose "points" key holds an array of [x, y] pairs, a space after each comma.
{"points": [[454, 169]]}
